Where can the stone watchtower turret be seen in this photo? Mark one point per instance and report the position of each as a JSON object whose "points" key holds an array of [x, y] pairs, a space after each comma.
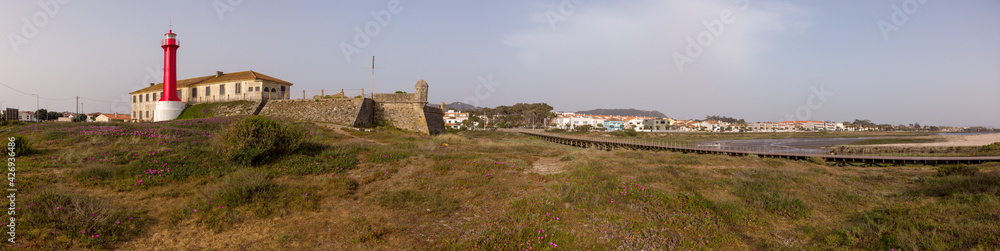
{"points": [[421, 87]]}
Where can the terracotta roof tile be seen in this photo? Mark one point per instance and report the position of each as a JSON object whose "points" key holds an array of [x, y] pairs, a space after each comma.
{"points": [[117, 116]]}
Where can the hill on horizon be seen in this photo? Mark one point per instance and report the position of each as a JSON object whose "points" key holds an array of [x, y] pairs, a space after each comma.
{"points": [[624, 112], [461, 107]]}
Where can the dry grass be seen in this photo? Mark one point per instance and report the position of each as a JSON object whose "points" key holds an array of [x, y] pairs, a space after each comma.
{"points": [[392, 190]]}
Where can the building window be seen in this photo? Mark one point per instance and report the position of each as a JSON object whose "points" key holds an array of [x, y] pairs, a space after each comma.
{"points": [[147, 97], [222, 89], [179, 94], [133, 99], [265, 89], [258, 88], [282, 89], [154, 96], [133, 114], [239, 88], [147, 114], [208, 90], [194, 92], [273, 90], [250, 89]]}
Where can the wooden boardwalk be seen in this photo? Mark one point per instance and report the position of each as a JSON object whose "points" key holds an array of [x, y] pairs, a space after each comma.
{"points": [[893, 160]]}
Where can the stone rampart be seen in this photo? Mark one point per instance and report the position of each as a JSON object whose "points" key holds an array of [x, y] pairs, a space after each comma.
{"points": [[343, 111], [394, 97], [408, 111], [434, 118]]}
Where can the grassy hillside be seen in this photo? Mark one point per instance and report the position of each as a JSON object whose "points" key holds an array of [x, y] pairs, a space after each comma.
{"points": [[167, 186], [223, 109]]}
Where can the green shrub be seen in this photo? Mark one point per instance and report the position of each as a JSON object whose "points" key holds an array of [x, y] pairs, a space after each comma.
{"points": [[817, 160], [583, 128], [624, 133], [11, 123], [991, 146], [256, 139], [631, 132], [21, 146], [246, 186], [956, 170]]}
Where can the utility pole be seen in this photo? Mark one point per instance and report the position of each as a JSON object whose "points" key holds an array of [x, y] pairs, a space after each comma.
{"points": [[36, 102], [77, 105], [373, 75]]}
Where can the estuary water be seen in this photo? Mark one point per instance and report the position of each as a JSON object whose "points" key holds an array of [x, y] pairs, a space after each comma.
{"points": [[793, 145]]}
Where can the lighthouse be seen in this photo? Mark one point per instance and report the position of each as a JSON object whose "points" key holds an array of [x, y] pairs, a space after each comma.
{"points": [[169, 106]]}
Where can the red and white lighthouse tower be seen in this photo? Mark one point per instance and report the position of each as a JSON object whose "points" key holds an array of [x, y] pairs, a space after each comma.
{"points": [[169, 106]]}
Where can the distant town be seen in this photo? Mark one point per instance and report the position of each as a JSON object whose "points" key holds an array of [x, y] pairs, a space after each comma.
{"points": [[503, 117], [523, 117]]}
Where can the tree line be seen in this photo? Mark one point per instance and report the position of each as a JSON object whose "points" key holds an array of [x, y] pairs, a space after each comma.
{"points": [[516, 116], [45, 115]]}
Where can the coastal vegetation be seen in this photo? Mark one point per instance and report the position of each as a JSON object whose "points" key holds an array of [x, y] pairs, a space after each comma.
{"points": [[168, 185]]}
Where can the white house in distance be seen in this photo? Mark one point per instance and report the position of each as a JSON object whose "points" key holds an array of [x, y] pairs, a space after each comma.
{"points": [[804, 125], [92, 117], [113, 118], [453, 119], [221, 87], [26, 116]]}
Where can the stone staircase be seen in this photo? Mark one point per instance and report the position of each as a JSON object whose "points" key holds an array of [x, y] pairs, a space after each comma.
{"points": [[260, 106]]}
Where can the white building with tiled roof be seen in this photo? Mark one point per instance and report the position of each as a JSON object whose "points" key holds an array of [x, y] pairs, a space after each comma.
{"points": [[26, 116], [454, 119], [112, 118], [221, 87], [569, 121]]}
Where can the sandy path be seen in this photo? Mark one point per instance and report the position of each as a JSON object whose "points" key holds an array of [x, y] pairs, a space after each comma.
{"points": [[956, 140]]}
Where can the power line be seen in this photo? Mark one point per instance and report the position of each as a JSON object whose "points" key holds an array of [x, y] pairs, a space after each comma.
{"points": [[37, 96], [15, 89], [98, 100], [51, 99]]}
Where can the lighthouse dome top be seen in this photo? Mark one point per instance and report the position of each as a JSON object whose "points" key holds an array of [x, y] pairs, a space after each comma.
{"points": [[170, 35]]}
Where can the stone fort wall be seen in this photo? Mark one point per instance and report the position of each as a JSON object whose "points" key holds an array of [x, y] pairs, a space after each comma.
{"points": [[343, 111], [394, 97], [408, 111], [435, 119]]}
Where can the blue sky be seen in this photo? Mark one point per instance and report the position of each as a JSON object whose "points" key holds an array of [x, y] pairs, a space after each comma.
{"points": [[770, 60]]}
